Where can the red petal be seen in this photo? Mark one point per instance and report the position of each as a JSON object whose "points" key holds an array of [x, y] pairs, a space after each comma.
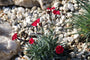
{"points": [[35, 22], [48, 8], [52, 8], [59, 49], [56, 12], [31, 41], [14, 36], [38, 20]]}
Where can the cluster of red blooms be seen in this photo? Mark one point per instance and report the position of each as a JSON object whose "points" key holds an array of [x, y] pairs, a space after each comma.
{"points": [[56, 12], [31, 41], [59, 49]]}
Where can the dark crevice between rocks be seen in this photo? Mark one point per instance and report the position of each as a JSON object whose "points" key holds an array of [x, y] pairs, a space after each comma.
{"points": [[10, 6], [14, 57], [17, 55]]}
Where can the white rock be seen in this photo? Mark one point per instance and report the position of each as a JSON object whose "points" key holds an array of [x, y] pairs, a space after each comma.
{"points": [[83, 51], [68, 30], [81, 11], [49, 21], [76, 6], [67, 20], [67, 25], [74, 1], [56, 4], [46, 31], [63, 17], [40, 15], [53, 16], [41, 19], [58, 32], [18, 26], [70, 39], [6, 10], [72, 54], [14, 11], [62, 25], [63, 2], [35, 15], [35, 12], [19, 16], [26, 14], [28, 20], [57, 20], [45, 26], [70, 6], [76, 36], [13, 16], [57, 24], [74, 31], [65, 7], [69, 15], [25, 58], [17, 58], [15, 28], [57, 29], [58, 16], [43, 23], [61, 8], [21, 9], [65, 34], [65, 39], [79, 50], [61, 36], [24, 23], [4, 17]]}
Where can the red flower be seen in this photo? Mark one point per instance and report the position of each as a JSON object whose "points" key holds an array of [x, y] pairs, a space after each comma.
{"points": [[51, 8], [59, 49], [35, 22], [48, 8], [14, 36], [56, 12], [31, 41]]}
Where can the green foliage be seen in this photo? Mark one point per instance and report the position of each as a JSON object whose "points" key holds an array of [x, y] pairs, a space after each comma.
{"points": [[43, 48], [82, 22]]}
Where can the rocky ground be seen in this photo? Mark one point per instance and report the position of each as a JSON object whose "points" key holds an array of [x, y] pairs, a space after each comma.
{"points": [[20, 20]]}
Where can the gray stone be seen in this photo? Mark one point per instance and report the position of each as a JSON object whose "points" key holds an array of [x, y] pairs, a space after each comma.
{"points": [[8, 48], [27, 3], [6, 2], [71, 6]]}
